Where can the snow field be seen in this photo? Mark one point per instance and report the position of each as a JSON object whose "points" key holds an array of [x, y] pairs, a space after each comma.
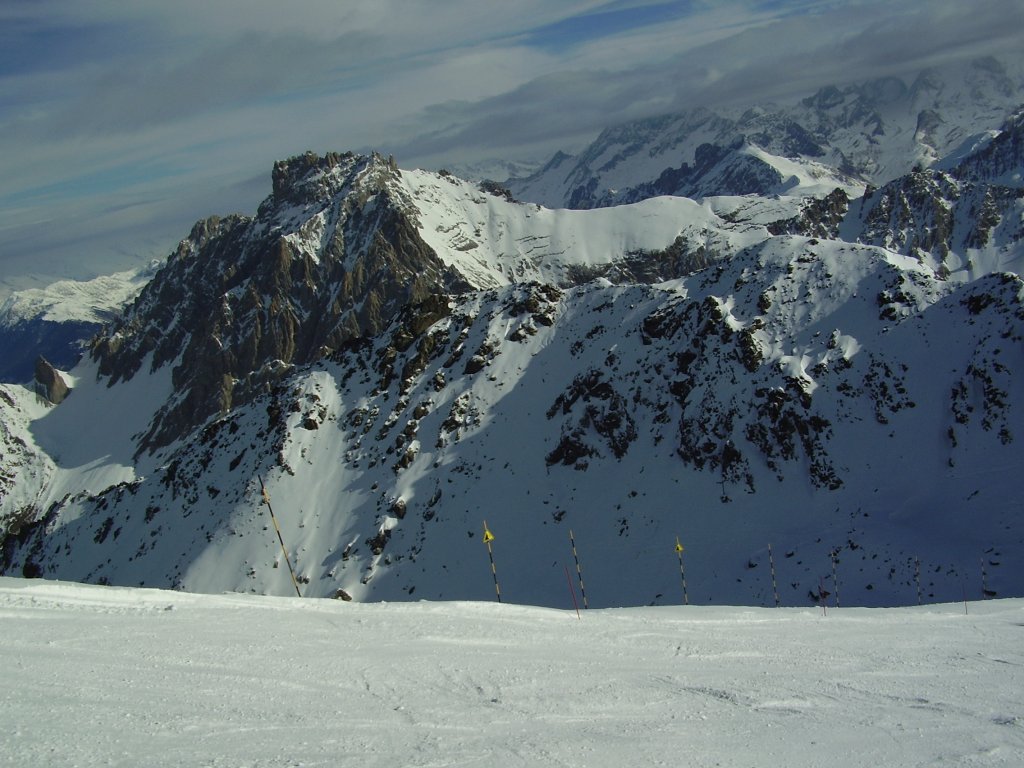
{"points": [[126, 677]]}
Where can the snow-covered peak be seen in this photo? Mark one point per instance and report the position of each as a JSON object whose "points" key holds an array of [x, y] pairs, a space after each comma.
{"points": [[871, 132], [91, 301]]}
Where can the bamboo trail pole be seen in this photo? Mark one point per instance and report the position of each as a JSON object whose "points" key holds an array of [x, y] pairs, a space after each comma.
{"points": [[775, 586], [280, 538], [579, 571], [488, 538], [572, 592], [682, 573], [835, 577]]}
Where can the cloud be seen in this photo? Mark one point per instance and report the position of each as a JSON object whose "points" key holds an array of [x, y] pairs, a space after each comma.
{"points": [[120, 123], [728, 58]]}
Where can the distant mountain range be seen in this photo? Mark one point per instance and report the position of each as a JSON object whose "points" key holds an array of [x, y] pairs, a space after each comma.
{"points": [[810, 363], [864, 133]]}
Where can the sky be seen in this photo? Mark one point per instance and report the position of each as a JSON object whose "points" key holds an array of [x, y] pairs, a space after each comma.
{"points": [[121, 124]]}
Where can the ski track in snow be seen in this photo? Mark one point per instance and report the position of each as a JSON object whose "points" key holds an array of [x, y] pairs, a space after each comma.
{"points": [[126, 677]]}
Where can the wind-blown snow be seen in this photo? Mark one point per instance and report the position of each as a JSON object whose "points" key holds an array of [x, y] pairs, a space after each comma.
{"points": [[126, 677]]}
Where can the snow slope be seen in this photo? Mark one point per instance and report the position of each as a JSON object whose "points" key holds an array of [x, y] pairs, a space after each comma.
{"points": [[125, 677]]}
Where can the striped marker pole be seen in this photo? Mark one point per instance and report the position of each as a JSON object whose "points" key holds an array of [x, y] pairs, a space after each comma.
{"points": [[682, 573], [579, 572], [775, 587], [280, 538], [835, 578], [488, 538], [572, 592]]}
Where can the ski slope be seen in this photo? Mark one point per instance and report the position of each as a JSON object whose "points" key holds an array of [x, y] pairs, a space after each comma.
{"points": [[127, 677]]}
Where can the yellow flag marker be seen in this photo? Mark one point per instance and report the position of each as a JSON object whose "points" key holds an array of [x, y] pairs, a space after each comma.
{"points": [[682, 573], [488, 538]]}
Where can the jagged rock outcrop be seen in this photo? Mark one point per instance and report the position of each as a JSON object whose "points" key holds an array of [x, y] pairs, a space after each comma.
{"points": [[818, 217], [331, 256], [1000, 160], [49, 383], [931, 213]]}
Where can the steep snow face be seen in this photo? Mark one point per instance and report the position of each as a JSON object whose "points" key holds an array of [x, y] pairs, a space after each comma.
{"points": [[494, 242], [997, 157], [828, 399], [874, 132], [26, 469]]}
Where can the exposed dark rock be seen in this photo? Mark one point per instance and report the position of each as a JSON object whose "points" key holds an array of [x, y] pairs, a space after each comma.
{"points": [[241, 301], [819, 217], [49, 383]]}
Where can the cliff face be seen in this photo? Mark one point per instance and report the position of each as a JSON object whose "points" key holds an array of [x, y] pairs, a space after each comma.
{"points": [[331, 256], [49, 383]]}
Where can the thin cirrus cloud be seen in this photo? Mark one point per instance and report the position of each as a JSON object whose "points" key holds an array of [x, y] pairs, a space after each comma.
{"points": [[120, 125]]}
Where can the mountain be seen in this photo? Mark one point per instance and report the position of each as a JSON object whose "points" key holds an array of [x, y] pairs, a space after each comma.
{"points": [[344, 245], [842, 136], [793, 386], [812, 372], [56, 322]]}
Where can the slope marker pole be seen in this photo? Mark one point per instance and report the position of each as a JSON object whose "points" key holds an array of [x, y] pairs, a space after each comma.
{"points": [[579, 571], [488, 538], [917, 577], [572, 592], [835, 578], [682, 573], [280, 538], [775, 586]]}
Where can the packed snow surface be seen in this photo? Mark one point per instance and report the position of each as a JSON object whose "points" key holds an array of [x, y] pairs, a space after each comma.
{"points": [[127, 677]]}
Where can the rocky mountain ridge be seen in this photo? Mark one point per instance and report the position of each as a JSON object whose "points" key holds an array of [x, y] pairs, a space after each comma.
{"points": [[401, 355]]}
